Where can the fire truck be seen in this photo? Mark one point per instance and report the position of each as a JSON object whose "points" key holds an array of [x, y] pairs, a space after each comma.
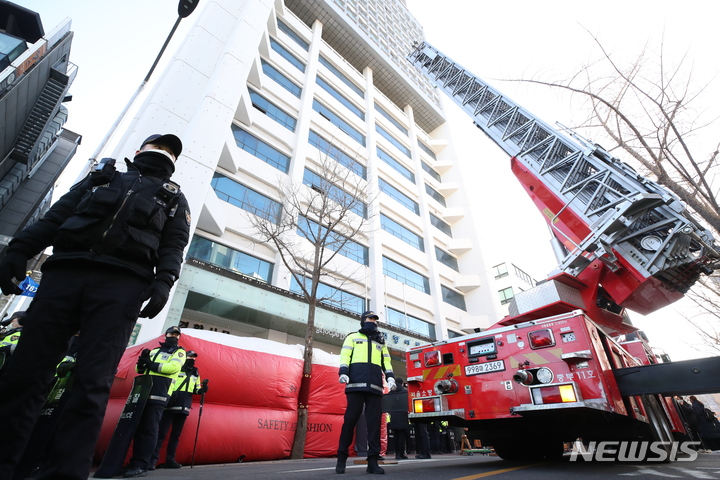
{"points": [[567, 363]]}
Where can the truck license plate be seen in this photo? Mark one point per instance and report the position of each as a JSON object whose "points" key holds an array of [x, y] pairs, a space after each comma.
{"points": [[489, 367]]}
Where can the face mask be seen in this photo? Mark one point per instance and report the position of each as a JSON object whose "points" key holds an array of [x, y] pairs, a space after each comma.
{"points": [[161, 152], [189, 363], [171, 341], [370, 326]]}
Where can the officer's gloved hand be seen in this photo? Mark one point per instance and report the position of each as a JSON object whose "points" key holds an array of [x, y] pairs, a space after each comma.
{"points": [[203, 389], [64, 368], [391, 383], [144, 360], [158, 293], [344, 379], [13, 265]]}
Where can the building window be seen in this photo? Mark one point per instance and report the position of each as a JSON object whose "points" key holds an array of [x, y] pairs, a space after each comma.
{"points": [[246, 198], [426, 149], [435, 194], [506, 295], [431, 171], [333, 297], [398, 196], [287, 55], [390, 118], [260, 149], [440, 225], [281, 79], [330, 116], [408, 322], [230, 259], [337, 154], [452, 334], [397, 166], [340, 98], [446, 259], [453, 298], [265, 106], [334, 241], [392, 140], [337, 194], [500, 271], [326, 63], [397, 230], [403, 274], [291, 33]]}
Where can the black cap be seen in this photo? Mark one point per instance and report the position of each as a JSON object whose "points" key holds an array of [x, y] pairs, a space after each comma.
{"points": [[168, 140], [191, 354], [368, 314], [173, 329]]}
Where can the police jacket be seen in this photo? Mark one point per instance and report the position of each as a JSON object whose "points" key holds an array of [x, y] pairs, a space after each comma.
{"points": [[130, 220], [166, 362], [184, 385], [363, 358], [10, 340]]}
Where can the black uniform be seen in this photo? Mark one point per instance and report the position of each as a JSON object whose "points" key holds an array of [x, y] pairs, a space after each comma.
{"points": [[399, 421], [118, 239]]}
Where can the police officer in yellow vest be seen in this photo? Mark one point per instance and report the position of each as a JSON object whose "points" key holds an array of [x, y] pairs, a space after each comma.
{"points": [[162, 364], [9, 338], [185, 384], [363, 360]]}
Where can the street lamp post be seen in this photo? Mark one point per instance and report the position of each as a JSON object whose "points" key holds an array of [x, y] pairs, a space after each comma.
{"points": [[185, 8]]}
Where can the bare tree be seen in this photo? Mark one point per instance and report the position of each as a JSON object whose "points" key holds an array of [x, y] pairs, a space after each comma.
{"points": [[316, 223], [652, 111]]}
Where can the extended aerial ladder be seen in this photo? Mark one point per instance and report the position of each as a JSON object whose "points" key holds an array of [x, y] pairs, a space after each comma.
{"points": [[622, 240], [645, 247]]}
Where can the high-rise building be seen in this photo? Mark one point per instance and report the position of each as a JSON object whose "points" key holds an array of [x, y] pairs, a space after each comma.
{"points": [[260, 92], [35, 77]]}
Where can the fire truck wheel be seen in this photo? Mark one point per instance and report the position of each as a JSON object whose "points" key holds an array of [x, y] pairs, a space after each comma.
{"points": [[508, 451]]}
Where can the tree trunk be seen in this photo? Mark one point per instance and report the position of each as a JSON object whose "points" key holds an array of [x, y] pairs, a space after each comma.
{"points": [[298, 448]]}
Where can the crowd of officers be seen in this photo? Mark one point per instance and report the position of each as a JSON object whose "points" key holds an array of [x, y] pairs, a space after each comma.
{"points": [[176, 379]]}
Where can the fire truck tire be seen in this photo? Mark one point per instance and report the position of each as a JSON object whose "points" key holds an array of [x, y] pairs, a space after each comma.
{"points": [[659, 425], [542, 449], [508, 451]]}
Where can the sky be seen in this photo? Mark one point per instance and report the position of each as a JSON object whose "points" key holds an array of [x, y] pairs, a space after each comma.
{"points": [[116, 43]]}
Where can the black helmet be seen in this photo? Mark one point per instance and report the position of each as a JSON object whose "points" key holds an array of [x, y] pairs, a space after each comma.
{"points": [[173, 329], [191, 354]]}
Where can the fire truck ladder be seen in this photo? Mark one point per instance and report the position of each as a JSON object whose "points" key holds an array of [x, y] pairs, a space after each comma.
{"points": [[627, 215]]}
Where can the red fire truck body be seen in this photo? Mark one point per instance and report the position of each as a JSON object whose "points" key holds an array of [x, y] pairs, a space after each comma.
{"points": [[509, 383]]}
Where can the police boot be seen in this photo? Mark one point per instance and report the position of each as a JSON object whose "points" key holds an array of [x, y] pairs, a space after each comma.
{"points": [[340, 466], [373, 466]]}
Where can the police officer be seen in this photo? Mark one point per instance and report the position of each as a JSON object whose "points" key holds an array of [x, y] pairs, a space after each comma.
{"points": [[162, 363], [399, 421], [9, 338], [184, 385], [363, 360], [118, 240]]}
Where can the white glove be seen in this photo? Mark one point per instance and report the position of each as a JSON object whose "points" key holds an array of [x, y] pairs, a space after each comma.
{"points": [[391, 383], [344, 379]]}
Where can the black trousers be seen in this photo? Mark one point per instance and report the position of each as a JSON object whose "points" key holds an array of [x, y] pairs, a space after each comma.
{"points": [[173, 422], [373, 415], [101, 303], [146, 435], [400, 442]]}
